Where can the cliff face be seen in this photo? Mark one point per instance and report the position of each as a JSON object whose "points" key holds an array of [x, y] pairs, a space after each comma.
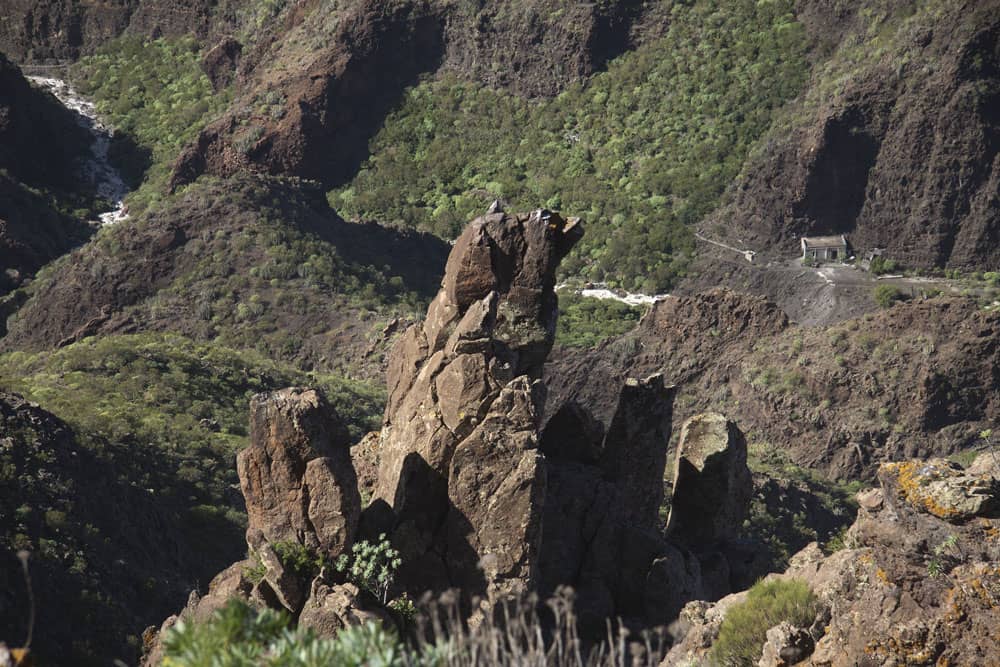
{"points": [[41, 148], [901, 153]]}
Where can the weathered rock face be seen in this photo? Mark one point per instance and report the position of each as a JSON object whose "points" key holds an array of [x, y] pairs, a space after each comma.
{"points": [[911, 588], [332, 608], [602, 531], [458, 456], [50, 30], [712, 484], [297, 475], [941, 488]]}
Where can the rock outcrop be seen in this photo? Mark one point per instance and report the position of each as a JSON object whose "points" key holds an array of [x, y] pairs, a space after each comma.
{"points": [[464, 483], [461, 417], [297, 476], [712, 485], [909, 588]]}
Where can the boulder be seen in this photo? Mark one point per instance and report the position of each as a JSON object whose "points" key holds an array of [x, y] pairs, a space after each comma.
{"points": [[297, 475], [712, 484], [941, 488], [786, 645], [333, 607], [986, 464]]}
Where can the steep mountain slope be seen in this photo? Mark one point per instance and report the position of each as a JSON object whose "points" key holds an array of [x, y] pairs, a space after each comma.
{"points": [[41, 147], [918, 379], [895, 141], [250, 263], [53, 30]]}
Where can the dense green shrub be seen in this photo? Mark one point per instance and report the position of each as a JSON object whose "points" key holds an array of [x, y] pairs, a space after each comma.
{"points": [[744, 629], [639, 151], [886, 295], [881, 265], [155, 95], [585, 322], [239, 636]]}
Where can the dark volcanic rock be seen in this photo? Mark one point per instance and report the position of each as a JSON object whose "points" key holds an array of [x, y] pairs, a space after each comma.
{"points": [[459, 462], [712, 484], [297, 475], [45, 30]]}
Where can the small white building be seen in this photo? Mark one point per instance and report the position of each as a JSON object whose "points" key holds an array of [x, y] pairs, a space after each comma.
{"points": [[824, 248]]}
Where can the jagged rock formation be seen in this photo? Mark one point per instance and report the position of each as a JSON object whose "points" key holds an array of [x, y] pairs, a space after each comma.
{"points": [[914, 380], [601, 527], [462, 398], [301, 492], [467, 488], [296, 475], [910, 588]]}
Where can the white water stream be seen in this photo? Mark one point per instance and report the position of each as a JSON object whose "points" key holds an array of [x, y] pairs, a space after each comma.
{"points": [[97, 169], [600, 291]]}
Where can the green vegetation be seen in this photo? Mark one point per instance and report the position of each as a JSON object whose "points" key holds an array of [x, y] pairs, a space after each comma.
{"points": [[886, 295], [239, 636], [744, 629], [156, 96], [585, 322], [793, 506], [186, 402], [640, 151], [300, 559], [881, 266], [372, 566]]}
